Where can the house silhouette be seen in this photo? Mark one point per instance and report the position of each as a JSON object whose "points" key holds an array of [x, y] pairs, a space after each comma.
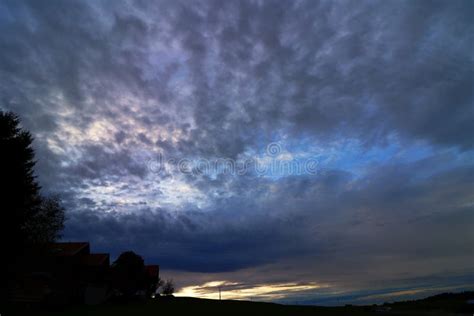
{"points": [[65, 273]]}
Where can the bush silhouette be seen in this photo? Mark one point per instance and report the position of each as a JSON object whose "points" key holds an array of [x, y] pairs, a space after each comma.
{"points": [[168, 288]]}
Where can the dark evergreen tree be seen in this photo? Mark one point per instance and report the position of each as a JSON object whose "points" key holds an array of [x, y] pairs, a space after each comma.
{"points": [[19, 190], [27, 220]]}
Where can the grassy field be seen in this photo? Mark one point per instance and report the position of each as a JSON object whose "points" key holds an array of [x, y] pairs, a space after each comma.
{"points": [[183, 306]]}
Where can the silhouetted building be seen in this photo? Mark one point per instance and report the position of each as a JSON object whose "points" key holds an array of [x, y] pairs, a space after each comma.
{"points": [[63, 273], [66, 272], [153, 276], [152, 271]]}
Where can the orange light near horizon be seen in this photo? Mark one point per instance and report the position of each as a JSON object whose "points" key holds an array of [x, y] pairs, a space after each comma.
{"points": [[238, 291]]}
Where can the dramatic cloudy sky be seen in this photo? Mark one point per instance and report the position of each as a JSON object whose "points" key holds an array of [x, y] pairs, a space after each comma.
{"points": [[370, 104]]}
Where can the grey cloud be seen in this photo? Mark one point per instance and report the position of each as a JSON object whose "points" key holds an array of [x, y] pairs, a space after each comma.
{"points": [[316, 68], [335, 222], [220, 79]]}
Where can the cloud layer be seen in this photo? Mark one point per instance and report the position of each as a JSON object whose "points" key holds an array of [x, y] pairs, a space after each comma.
{"points": [[379, 93]]}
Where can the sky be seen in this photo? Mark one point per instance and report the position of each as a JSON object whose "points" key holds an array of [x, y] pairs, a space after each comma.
{"points": [[308, 152]]}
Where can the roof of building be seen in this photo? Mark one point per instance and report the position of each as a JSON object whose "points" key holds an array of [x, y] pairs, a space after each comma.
{"points": [[95, 259], [67, 248], [152, 270]]}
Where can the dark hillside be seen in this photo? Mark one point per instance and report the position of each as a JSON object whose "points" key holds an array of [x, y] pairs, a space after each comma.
{"points": [[445, 304]]}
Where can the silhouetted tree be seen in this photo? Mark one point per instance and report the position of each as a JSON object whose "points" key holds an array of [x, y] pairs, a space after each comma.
{"points": [[152, 285], [158, 285], [20, 193], [46, 224], [26, 218], [128, 274], [168, 288]]}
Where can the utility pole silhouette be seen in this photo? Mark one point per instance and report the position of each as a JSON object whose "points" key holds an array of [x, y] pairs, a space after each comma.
{"points": [[219, 292]]}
